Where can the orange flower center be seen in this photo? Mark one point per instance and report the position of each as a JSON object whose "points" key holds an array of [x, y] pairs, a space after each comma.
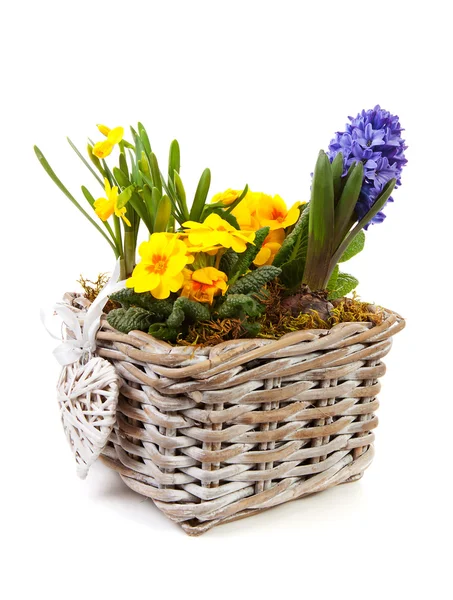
{"points": [[158, 265], [278, 215]]}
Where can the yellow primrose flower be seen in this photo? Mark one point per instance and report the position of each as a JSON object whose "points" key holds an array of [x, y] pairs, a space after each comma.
{"points": [[271, 245], [214, 232], [203, 284], [183, 238], [227, 197], [245, 211], [105, 207], [273, 213], [160, 270], [114, 136]]}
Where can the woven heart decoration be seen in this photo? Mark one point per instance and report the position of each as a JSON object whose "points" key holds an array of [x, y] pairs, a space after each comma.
{"points": [[88, 397]]}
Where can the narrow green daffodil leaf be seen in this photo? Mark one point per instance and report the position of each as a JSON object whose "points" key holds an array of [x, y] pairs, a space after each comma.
{"points": [[85, 162], [200, 195], [121, 178], [144, 138], [155, 172], [51, 173]]}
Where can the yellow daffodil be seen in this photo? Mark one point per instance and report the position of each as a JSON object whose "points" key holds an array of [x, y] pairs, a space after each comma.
{"points": [[215, 232], [273, 213], [105, 207], [203, 284], [160, 270], [227, 197], [114, 136], [271, 245]]}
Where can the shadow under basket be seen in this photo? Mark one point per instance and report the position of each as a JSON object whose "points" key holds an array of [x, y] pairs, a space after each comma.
{"points": [[220, 433]]}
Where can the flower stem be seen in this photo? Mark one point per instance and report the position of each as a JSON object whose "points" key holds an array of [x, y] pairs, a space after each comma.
{"points": [[129, 251], [218, 258]]}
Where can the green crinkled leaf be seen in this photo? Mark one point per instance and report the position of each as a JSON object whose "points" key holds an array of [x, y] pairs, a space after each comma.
{"points": [[184, 309], [344, 284], [251, 328], [331, 285], [162, 331], [126, 320], [354, 247], [237, 306], [292, 273], [228, 260], [128, 297], [255, 280], [294, 253], [248, 256], [296, 241]]}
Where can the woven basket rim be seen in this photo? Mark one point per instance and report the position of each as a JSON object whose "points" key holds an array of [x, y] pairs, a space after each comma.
{"points": [[366, 331]]}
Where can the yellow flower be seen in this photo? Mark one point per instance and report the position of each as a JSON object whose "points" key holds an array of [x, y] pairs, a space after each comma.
{"points": [[227, 197], [161, 269], [114, 136], [105, 207], [203, 284], [215, 232], [245, 211], [273, 213], [271, 245]]}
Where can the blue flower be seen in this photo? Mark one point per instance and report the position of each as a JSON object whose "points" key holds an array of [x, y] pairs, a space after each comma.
{"points": [[373, 137]]}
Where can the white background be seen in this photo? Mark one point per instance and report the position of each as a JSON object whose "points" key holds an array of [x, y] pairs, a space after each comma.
{"points": [[253, 90]]}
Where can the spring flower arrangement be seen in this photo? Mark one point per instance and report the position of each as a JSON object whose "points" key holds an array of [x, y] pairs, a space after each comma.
{"points": [[239, 263]]}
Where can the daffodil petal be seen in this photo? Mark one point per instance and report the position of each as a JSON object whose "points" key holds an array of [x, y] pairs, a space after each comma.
{"points": [[102, 149], [115, 135], [103, 129]]}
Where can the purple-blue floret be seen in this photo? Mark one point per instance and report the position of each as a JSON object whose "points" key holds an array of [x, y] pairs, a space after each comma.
{"points": [[373, 137]]}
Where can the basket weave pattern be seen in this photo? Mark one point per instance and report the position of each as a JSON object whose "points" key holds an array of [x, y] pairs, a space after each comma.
{"points": [[215, 434]]}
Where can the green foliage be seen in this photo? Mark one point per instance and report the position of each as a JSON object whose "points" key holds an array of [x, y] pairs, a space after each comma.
{"points": [[201, 195], [187, 310], [228, 260], [333, 233], [294, 253], [355, 246], [246, 258], [332, 283], [344, 284], [345, 207], [238, 306], [127, 297], [296, 242], [320, 225], [255, 280], [184, 311], [130, 319], [337, 172], [251, 328], [162, 331]]}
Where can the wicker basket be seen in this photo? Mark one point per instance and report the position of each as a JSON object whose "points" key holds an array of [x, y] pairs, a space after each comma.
{"points": [[216, 434]]}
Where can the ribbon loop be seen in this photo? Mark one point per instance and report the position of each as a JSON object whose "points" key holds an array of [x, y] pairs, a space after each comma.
{"points": [[80, 326]]}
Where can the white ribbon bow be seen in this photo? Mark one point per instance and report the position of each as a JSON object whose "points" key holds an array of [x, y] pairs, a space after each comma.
{"points": [[84, 325]]}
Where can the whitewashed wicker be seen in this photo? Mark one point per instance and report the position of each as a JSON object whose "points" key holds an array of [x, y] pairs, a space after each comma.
{"points": [[220, 433]]}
